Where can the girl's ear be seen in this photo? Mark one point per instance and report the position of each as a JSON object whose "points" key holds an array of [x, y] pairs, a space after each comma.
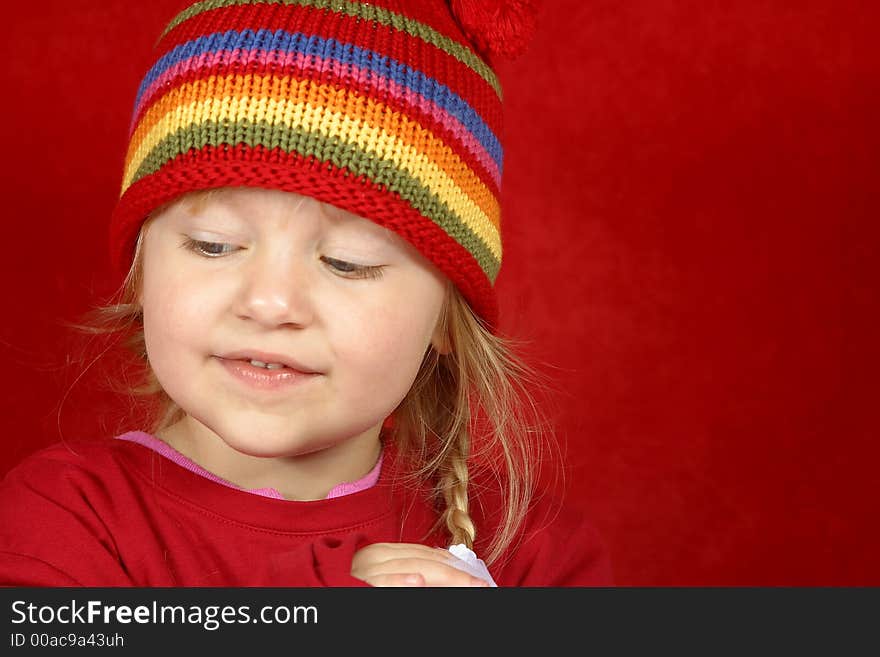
{"points": [[440, 342]]}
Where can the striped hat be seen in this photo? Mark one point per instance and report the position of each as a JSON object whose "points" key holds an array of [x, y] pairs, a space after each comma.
{"points": [[384, 109]]}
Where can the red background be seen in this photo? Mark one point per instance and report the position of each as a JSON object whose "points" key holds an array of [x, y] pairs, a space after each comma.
{"points": [[690, 205]]}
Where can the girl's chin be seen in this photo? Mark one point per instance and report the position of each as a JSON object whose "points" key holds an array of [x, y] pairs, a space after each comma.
{"points": [[256, 443], [279, 437]]}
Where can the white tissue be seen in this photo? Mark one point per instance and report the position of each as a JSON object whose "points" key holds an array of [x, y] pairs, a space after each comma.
{"points": [[466, 560]]}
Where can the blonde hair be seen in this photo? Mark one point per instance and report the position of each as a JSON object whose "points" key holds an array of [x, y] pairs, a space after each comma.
{"points": [[435, 427]]}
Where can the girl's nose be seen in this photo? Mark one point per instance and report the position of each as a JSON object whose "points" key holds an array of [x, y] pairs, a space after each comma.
{"points": [[276, 290]]}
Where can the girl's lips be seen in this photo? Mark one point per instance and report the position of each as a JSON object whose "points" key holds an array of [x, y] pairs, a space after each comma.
{"points": [[263, 379], [268, 357]]}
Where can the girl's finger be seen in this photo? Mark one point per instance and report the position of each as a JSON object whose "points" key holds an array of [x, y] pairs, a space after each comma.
{"points": [[395, 580], [382, 552], [436, 573]]}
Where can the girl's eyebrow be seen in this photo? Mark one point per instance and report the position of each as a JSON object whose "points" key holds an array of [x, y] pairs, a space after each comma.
{"points": [[363, 224], [220, 208], [207, 217], [339, 215]]}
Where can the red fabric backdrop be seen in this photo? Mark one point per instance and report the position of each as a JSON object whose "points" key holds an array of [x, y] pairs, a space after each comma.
{"points": [[690, 204]]}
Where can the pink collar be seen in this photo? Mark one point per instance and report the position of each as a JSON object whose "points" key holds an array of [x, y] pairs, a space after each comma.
{"points": [[163, 448]]}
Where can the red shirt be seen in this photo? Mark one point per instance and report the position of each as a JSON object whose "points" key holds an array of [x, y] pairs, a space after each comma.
{"points": [[115, 513]]}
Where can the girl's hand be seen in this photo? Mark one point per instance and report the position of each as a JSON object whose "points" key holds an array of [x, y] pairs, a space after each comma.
{"points": [[409, 564]]}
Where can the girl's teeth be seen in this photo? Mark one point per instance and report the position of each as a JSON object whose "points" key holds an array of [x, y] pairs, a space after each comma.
{"points": [[268, 366]]}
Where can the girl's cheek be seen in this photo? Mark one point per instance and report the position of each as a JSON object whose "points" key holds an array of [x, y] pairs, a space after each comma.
{"points": [[359, 347]]}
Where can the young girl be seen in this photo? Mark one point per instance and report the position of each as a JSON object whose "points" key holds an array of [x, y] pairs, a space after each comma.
{"points": [[309, 233]]}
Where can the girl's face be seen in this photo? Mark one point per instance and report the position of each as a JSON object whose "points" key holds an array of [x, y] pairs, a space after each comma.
{"points": [[254, 271]]}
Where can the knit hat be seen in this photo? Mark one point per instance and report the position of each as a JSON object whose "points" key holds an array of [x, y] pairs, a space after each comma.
{"points": [[388, 109]]}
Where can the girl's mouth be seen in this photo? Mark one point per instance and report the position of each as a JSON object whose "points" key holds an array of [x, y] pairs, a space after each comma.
{"points": [[265, 376], [268, 360]]}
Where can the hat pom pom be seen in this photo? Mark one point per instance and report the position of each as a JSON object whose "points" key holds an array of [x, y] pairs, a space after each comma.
{"points": [[497, 27]]}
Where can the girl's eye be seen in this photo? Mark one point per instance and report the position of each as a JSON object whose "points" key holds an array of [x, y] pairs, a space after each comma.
{"points": [[219, 249], [353, 271], [208, 249]]}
